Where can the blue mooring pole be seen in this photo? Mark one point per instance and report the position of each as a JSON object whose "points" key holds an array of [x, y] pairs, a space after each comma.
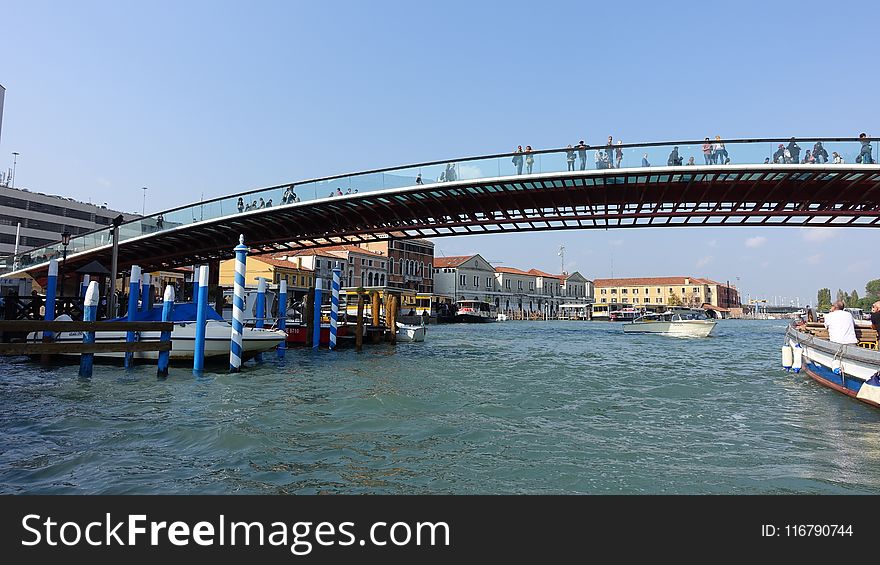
{"points": [[316, 332], [195, 283], [134, 285], [282, 316], [146, 291], [84, 286], [90, 313], [241, 251], [201, 319], [334, 307], [51, 290], [260, 310], [167, 311]]}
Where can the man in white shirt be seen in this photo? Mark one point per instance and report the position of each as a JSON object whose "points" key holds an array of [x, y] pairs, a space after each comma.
{"points": [[840, 324]]}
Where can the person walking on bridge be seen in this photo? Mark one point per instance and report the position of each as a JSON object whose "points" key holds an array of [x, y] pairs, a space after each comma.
{"points": [[609, 151], [530, 159], [569, 157]]}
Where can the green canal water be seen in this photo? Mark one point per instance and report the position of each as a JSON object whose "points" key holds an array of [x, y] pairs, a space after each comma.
{"points": [[516, 407]]}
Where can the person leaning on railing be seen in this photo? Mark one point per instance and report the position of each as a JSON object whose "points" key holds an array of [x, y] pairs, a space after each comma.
{"points": [[865, 152]]}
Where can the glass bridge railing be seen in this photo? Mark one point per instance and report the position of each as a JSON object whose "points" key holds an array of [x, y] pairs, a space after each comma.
{"points": [[574, 158]]}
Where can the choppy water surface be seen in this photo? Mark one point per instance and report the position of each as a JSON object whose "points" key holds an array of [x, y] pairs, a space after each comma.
{"points": [[516, 407]]}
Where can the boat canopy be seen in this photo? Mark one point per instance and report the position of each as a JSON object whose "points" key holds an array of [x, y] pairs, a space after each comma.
{"points": [[183, 312]]}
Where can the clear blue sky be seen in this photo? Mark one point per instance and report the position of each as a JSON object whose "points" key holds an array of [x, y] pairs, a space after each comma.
{"points": [[208, 98]]}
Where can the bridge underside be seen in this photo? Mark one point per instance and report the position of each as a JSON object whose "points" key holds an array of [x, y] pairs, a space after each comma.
{"points": [[772, 195]]}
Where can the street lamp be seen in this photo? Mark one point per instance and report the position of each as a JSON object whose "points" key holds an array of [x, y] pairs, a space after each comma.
{"points": [[144, 208], [15, 155], [65, 241]]}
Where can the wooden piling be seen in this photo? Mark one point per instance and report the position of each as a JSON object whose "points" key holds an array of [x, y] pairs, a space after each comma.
{"points": [[359, 327], [391, 316], [375, 310], [309, 315]]}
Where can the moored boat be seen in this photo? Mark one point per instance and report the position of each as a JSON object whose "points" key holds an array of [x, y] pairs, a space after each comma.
{"points": [[853, 370], [475, 311], [218, 334], [409, 332], [676, 321]]}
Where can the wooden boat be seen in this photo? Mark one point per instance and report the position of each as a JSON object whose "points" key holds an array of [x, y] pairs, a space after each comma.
{"points": [[853, 370]]}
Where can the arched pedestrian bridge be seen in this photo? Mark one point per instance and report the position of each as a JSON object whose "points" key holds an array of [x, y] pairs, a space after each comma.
{"points": [[731, 183]]}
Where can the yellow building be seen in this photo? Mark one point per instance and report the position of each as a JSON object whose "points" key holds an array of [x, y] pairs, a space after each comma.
{"points": [[274, 269], [650, 293]]}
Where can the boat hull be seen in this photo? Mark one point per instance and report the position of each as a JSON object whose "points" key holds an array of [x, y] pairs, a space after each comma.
{"points": [[857, 365], [406, 332], [682, 328], [473, 319], [296, 334], [217, 337]]}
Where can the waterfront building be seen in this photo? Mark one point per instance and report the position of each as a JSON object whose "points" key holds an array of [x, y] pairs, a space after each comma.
{"points": [[653, 293], [575, 286], [44, 217], [517, 291], [360, 267], [410, 263], [275, 268], [468, 277]]}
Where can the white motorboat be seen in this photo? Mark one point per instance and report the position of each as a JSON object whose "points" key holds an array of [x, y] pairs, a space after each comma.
{"points": [[501, 317], [407, 332], [677, 322], [218, 334]]}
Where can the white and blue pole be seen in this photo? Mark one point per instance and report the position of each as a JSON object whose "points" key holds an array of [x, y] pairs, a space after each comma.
{"points": [[334, 307], [241, 251], [167, 311], [90, 313], [84, 286], [146, 291], [134, 284], [282, 315], [316, 331], [201, 319], [51, 290], [260, 310]]}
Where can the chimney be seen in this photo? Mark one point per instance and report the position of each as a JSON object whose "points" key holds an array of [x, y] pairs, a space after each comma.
{"points": [[299, 262], [687, 280]]}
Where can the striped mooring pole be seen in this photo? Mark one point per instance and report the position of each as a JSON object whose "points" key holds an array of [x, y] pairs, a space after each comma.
{"points": [[84, 286], [90, 313], [241, 251], [282, 315], [316, 331], [146, 291], [334, 307], [167, 311], [134, 284], [51, 290], [260, 310], [201, 319]]}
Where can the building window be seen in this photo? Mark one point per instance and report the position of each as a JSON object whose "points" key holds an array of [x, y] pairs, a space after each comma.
{"points": [[683, 291], [531, 285], [476, 281], [624, 291], [696, 290], [317, 264], [613, 291], [507, 284], [382, 280], [635, 291], [370, 263], [462, 280], [519, 285], [351, 260], [488, 282], [603, 291], [602, 301], [658, 300]]}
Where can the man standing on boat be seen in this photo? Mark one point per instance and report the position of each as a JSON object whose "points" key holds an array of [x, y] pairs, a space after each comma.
{"points": [[840, 324], [875, 315]]}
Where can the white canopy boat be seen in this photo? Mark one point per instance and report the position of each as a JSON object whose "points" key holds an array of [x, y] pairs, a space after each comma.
{"points": [[407, 332], [676, 321], [218, 334]]}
